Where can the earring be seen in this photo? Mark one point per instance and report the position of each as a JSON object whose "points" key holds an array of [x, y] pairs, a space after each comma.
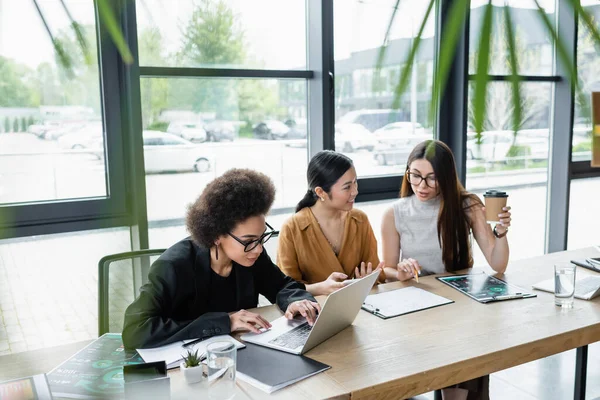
{"points": [[217, 251], [322, 199]]}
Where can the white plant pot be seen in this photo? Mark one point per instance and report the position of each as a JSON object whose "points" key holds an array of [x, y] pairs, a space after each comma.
{"points": [[194, 374]]}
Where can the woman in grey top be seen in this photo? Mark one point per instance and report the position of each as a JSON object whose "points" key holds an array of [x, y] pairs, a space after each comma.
{"points": [[427, 231]]}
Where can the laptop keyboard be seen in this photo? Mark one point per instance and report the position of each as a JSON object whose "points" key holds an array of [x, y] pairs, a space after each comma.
{"points": [[587, 285], [294, 338]]}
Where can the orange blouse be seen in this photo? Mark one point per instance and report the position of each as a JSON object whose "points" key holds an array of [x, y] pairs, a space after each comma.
{"points": [[305, 255]]}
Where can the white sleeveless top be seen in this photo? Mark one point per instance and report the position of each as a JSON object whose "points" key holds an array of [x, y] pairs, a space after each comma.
{"points": [[416, 222]]}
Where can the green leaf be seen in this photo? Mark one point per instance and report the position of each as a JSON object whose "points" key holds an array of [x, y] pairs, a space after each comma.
{"points": [[561, 48], [483, 63], [383, 48], [83, 45], [407, 70], [451, 33], [514, 78], [107, 16]]}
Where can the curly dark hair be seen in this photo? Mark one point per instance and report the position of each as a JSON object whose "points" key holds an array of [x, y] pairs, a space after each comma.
{"points": [[232, 198]]}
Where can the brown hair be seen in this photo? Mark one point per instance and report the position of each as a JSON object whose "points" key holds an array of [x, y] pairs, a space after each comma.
{"points": [[453, 224], [232, 198]]}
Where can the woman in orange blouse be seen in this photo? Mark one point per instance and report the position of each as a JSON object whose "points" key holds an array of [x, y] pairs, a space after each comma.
{"points": [[327, 241]]}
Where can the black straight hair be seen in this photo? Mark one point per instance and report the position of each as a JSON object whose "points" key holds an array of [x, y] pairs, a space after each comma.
{"points": [[324, 170]]}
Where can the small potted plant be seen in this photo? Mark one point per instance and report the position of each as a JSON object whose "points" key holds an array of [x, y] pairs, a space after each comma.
{"points": [[191, 367]]}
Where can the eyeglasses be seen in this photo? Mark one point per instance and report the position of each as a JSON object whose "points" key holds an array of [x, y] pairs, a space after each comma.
{"points": [[416, 179], [252, 244]]}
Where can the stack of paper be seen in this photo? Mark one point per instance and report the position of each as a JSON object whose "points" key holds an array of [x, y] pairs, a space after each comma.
{"points": [[173, 353]]}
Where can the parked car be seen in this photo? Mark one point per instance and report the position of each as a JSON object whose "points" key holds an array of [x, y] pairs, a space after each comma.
{"points": [[352, 137], [396, 152], [373, 119], [397, 131], [192, 131], [271, 129], [298, 128], [218, 131], [85, 137], [166, 152]]}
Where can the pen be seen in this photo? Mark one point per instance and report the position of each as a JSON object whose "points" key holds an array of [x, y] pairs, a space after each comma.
{"points": [[417, 276], [193, 342]]}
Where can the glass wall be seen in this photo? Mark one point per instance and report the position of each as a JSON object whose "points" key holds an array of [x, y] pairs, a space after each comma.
{"points": [[498, 157], [49, 287], [370, 128], [196, 128], [51, 130]]}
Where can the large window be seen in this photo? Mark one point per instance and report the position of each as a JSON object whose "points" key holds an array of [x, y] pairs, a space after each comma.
{"points": [[377, 134], [208, 126], [499, 157], [52, 135], [230, 91], [588, 70]]}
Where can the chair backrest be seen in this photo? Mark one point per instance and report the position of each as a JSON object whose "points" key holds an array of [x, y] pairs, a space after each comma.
{"points": [[119, 278]]}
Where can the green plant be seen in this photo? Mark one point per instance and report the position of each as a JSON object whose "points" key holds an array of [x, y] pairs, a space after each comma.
{"points": [[6, 125], [191, 359], [15, 125], [452, 32]]}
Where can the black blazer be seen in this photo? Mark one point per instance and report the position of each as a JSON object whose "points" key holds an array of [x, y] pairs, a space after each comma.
{"points": [[174, 304]]}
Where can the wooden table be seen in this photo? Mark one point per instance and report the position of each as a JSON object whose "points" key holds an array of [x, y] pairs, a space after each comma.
{"points": [[423, 351]]}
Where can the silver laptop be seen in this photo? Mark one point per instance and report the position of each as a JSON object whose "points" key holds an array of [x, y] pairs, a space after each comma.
{"points": [[339, 311], [586, 288]]}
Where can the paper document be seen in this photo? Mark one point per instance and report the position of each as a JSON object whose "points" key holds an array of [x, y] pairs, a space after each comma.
{"points": [[173, 353], [402, 301]]}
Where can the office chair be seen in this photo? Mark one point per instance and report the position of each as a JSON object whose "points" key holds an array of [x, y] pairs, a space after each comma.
{"points": [[128, 271]]}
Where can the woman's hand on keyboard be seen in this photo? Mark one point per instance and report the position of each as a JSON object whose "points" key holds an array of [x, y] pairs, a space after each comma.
{"points": [[308, 309], [247, 321]]}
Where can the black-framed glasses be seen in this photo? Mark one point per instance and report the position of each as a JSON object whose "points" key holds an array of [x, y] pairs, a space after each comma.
{"points": [[252, 244], [416, 179]]}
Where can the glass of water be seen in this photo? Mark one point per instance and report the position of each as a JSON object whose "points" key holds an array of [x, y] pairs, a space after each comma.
{"points": [[221, 358], [564, 285]]}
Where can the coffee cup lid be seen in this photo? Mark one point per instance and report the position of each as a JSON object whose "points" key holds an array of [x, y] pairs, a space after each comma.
{"points": [[495, 193]]}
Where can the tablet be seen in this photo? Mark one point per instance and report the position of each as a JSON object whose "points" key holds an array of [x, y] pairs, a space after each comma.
{"points": [[485, 288]]}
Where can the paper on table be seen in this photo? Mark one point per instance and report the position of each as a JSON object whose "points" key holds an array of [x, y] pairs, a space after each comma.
{"points": [[402, 301], [173, 353]]}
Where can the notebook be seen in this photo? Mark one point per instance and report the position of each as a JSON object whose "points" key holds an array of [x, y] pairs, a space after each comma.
{"points": [[593, 264], [270, 370], [402, 301], [173, 353], [585, 289]]}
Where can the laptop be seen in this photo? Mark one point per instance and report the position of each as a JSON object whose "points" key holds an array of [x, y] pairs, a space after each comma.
{"points": [[586, 288], [338, 312]]}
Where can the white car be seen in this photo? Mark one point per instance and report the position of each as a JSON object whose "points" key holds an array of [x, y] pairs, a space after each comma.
{"points": [[192, 131], [166, 152], [88, 136], [392, 133], [352, 137]]}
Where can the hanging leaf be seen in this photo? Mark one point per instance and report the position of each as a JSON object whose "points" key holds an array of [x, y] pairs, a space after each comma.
{"points": [[83, 45], [108, 18], [386, 39], [483, 63], [407, 70], [451, 33], [514, 77]]}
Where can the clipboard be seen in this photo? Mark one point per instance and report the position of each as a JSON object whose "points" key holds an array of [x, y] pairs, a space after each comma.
{"points": [[485, 288], [402, 301]]}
